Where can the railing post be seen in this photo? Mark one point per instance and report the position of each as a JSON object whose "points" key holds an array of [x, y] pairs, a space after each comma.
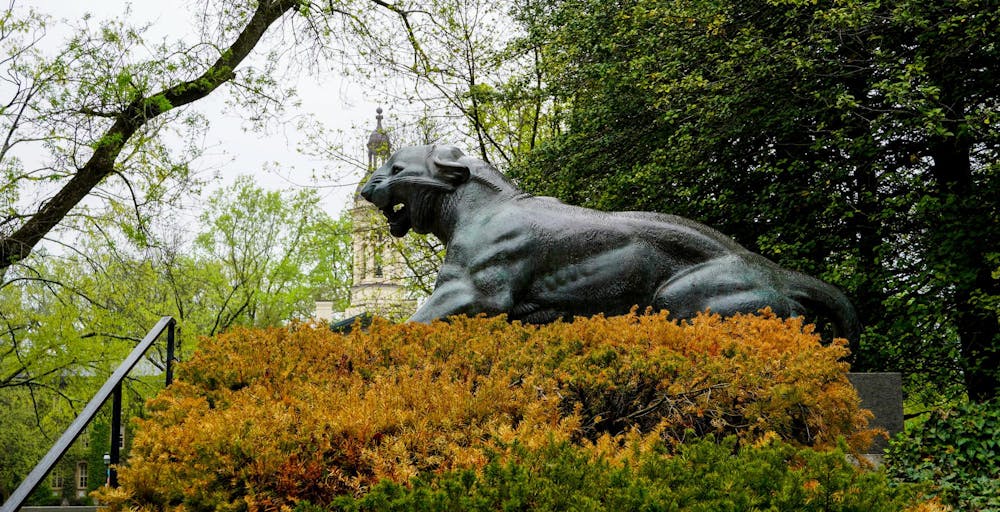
{"points": [[170, 350], [116, 435]]}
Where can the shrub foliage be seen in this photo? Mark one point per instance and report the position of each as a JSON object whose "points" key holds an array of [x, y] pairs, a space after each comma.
{"points": [[958, 451], [269, 418], [701, 476]]}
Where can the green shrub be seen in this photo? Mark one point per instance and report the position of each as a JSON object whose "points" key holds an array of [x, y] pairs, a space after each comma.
{"points": [[958, 451], [43, 496], [701, 476]]}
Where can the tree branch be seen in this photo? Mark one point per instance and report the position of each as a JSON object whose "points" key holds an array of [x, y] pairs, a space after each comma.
{"points": [[22, 242]]}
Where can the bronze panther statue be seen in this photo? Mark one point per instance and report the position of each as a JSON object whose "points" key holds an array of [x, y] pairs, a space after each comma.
{"points": [[538, 260]]}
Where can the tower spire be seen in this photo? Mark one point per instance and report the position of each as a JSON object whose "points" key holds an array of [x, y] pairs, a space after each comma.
{"points": [[379, 145], [377, 285]]}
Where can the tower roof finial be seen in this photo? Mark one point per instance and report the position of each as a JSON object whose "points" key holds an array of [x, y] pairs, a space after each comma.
{"points": [[379, 145]]}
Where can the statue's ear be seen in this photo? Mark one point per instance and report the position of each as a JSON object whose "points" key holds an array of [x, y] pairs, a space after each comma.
{"points": [[446, 164]]}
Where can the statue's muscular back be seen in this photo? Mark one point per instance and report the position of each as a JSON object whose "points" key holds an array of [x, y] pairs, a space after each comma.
{"points": [[537, 260]]}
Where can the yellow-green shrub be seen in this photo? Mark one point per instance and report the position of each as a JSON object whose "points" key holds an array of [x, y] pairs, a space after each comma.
{"points": [[266, 418], [701, 475]]}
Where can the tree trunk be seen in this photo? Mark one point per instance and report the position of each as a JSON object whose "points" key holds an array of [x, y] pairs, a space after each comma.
{"points": [[961, 240]]}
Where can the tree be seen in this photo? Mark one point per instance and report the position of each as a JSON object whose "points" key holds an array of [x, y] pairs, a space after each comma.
{"points": [[20, 445], [99, 110], [853, 140], [276, 252], [473, 65]]}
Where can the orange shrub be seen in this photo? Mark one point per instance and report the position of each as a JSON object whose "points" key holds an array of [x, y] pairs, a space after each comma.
{"points": [[265, 418]]}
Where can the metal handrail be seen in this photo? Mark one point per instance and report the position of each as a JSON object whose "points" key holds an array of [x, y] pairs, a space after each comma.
{"points": [[112, 387]]}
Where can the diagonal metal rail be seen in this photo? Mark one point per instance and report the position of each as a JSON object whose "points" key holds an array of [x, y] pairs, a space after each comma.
{"points": [[112, 388]]}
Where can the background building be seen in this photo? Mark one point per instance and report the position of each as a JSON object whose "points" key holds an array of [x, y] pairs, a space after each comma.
{"points": [[378, 285]]}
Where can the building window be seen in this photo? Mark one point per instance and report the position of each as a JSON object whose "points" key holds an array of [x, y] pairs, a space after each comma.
{"points": [[81, 475], [56, 481], [378, 254], [121, 439], [363, 262]]}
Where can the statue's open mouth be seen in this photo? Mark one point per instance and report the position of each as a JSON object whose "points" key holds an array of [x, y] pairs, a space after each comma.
{"points": [[398, 216]]}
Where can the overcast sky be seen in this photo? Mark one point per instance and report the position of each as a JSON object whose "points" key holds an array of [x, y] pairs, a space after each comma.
{"points": [[272, 157]]}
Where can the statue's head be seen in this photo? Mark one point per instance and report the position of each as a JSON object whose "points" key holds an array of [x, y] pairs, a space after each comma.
{"points": [[410, 186]]}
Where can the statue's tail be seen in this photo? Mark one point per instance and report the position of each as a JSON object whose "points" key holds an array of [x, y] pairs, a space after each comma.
{"points": [[826, 301]]}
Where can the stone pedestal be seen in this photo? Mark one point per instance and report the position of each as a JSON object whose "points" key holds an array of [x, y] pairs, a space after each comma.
{"points": [[882, 394]]}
